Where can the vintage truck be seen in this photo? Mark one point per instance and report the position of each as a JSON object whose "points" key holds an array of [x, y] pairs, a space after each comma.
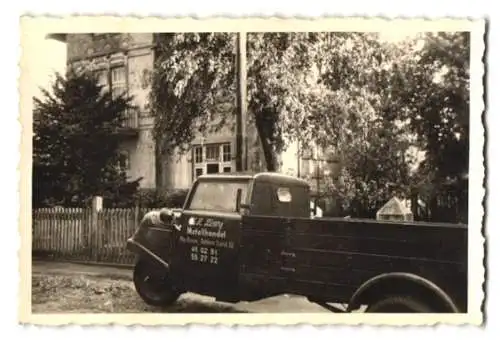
{"points": [[245, 237]]}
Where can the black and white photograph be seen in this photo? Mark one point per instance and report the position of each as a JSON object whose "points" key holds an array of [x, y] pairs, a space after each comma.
{"points": [[322, 173]]}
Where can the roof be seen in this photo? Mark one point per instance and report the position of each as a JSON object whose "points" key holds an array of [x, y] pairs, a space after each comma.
{"points": [[227, 176], [394, 207], [61, 37], [261, 176], [273, 177]]}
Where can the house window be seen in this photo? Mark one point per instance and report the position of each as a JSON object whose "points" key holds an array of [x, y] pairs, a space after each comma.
{"points": [[118, 81], [212, 168], [226, 152], [102, 78], [198, 154], [211, 159], [124, 161], [212, 153], [114, 78]]}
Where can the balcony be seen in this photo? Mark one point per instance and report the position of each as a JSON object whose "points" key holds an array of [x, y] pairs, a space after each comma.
{"points": [[130, 124]]}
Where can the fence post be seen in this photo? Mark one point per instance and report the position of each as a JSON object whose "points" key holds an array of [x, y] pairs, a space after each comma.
{"points": [[136, 215], [94, 225]]}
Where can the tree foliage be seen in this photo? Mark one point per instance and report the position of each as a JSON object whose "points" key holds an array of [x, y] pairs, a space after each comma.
{"points": [[436, 99], [279, 81], [194, 73], [75, 143], [391, 99], [356, 117]]}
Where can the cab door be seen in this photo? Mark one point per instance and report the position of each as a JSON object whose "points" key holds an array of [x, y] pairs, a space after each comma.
{"points": [[206, 256]]}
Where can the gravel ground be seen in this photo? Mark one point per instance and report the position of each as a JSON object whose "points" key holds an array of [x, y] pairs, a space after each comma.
{"points": [[87, 294]]}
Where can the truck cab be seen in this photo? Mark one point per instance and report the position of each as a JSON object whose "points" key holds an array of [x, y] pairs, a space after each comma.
{"points": [[200, 245]]}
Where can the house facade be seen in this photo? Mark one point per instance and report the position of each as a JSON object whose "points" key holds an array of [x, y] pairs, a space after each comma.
{"points": [[124, 63]]}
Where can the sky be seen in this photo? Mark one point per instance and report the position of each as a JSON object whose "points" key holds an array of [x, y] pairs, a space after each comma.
{"points": [[51, 58]]}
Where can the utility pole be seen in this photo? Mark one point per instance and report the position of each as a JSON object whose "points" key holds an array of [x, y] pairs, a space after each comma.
{"points": [[317, 172], [241, 149]]}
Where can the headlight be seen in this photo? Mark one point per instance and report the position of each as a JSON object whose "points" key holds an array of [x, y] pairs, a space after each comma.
{"points": [[166, 215]]}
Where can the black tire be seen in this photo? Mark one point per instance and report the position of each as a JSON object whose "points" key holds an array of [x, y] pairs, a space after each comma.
{"points": [[154, 285], [399, 304]]}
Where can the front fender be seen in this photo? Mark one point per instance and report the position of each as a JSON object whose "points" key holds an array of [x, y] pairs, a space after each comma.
{"points": [[153, 238], [141, 250]]}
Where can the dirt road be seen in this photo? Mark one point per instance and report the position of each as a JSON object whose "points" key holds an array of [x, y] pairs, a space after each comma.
{"points": [[74, 288]]}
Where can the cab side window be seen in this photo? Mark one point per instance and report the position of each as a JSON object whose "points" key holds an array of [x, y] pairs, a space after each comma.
{"points": [[284, 195], [282, 199]]}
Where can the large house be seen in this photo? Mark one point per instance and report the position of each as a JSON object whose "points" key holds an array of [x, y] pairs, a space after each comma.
{"points": [[124, 63]]}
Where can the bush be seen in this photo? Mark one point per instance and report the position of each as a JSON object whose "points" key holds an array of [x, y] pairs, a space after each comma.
{"points": [[176, 197], [144, 198], [152, 198]]}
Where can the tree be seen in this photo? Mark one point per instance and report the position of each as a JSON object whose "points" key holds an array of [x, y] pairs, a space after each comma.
{"points": [[437, 103], [356, 115], [76, 141], [194, 75], [434, 96], [280, 81], [415, 94]]}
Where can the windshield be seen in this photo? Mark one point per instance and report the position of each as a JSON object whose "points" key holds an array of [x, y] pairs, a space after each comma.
{"points": [[217, 195]]}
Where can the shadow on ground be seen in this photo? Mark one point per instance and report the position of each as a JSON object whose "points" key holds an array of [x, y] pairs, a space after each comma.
{"points": [[78, 288]]}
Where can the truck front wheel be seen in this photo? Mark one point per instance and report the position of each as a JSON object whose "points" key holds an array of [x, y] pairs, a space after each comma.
{"points": [[399, 304], [153, 284]]}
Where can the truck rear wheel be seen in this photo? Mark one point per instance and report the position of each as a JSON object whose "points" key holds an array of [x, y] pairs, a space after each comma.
{"points": [[399, 304], [153, 284]]}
